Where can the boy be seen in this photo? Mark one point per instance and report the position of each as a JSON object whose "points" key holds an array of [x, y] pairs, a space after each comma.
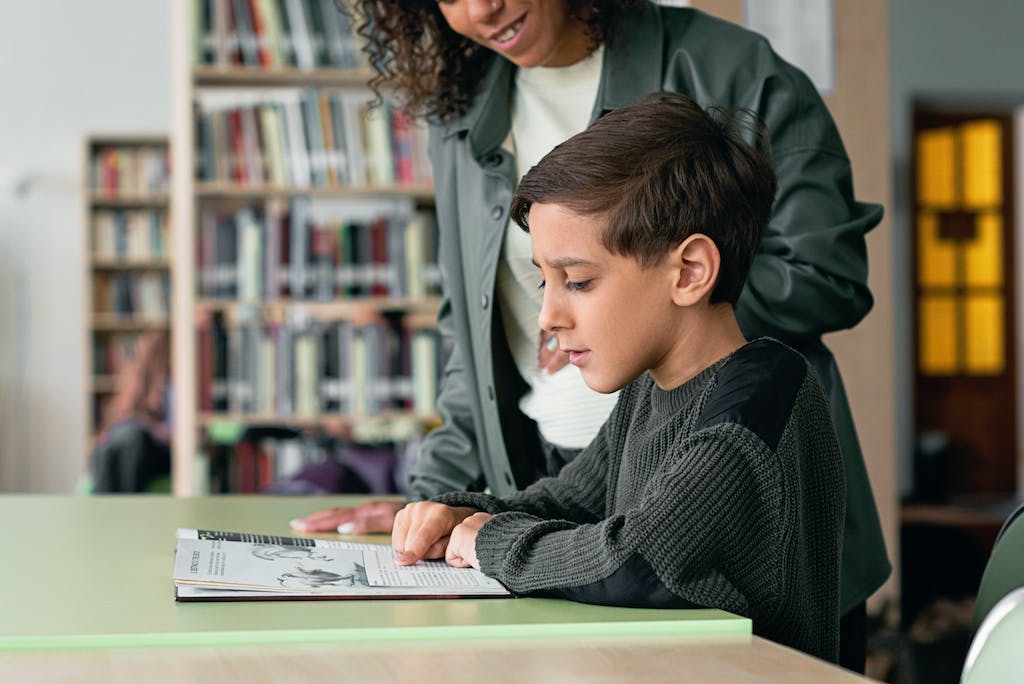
{"points": [[717, 479]]}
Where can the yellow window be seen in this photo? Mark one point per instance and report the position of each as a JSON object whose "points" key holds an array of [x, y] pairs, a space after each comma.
{"points": [[984, 322], [937, 335], [982, 171], [983, 256], [936, 265], [936, 179]]}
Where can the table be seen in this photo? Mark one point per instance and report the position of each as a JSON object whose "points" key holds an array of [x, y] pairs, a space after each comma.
{"points": [[84, 577], [722, 660]]}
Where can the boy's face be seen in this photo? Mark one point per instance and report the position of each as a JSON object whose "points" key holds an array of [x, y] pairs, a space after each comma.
{"points": [[614, 318]]}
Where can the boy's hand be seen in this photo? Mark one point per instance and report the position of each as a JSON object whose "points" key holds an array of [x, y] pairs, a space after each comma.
{"points": [[422, 528], [461, 551], [370, 517]]}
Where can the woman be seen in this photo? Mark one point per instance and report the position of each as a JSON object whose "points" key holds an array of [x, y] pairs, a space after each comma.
{"points": [[503, 81]]}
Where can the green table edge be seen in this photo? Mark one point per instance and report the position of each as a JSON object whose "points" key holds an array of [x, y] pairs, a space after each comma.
{"points": [[727, 624]]}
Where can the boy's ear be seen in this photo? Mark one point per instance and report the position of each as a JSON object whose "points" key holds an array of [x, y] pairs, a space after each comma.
{"points": [[696, 262]]}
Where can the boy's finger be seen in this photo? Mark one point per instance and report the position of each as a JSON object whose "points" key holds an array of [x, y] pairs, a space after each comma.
{"points": [[454, 559], [438, 549], [419, 541], [399, 531]]}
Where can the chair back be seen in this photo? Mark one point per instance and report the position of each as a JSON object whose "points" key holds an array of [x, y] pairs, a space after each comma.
{"points": [[995, 654], [1004, 571]]}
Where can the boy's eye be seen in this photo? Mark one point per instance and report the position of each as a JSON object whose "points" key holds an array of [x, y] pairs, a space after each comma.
{"points": [[577, 285]]}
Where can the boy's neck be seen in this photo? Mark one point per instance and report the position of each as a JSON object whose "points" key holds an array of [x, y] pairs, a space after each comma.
{"points": [[711, 333]]}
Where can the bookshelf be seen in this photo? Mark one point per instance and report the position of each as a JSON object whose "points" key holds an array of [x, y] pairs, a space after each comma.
{"points": [[306, 293], [128, 265]]}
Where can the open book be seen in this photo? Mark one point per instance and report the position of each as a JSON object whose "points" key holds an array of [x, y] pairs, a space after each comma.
{"points": [[236, 566]]}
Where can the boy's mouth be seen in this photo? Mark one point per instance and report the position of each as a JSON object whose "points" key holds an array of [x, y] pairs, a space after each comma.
{"points": [[578, 358]]}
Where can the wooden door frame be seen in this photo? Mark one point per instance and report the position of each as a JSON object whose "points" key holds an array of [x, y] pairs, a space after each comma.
{"points": [[924, 112]]}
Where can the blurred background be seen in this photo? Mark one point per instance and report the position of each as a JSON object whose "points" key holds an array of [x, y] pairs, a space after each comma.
{"points": [[213, 251]]}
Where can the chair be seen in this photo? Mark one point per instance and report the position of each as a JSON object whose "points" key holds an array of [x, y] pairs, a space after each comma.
{"points": [[1004, 571], [995, 653]]}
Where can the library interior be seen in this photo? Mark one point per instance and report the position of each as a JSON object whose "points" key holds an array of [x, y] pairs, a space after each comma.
{"points": [[233, 263]]}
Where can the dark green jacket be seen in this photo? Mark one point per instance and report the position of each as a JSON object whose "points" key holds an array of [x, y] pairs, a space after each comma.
{"points": [[809, 278]]}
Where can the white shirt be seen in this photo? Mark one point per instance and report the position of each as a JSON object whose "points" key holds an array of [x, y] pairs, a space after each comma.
{"points": [[549, 106]]}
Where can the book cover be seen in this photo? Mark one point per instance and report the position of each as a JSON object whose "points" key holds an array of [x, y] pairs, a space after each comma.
{"points": [[230, 566]]}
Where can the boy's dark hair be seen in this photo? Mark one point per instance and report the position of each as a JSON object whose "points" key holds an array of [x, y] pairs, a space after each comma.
{"points": [[659, 171]]}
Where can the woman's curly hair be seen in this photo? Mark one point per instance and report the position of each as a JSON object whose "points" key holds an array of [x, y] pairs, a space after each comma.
{"points": [[429, 69]]}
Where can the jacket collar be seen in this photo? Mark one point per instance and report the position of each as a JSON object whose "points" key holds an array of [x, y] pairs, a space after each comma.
{"points": [[489, 117], [632, 61], [632, 68]]}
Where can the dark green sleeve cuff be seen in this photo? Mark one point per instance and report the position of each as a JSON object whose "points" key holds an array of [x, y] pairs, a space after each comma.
{"points": [[483, 502]]}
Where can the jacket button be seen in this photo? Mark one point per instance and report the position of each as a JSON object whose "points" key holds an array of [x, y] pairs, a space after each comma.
{"points": [[497, 212], [490, 393], [484, 301]]}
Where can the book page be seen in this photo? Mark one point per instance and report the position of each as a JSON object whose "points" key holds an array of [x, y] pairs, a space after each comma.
{"points": [[381, 571], [341, 568]]}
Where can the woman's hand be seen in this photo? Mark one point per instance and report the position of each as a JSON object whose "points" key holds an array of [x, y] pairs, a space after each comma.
{"points": [[549, 357], [369, 518]]}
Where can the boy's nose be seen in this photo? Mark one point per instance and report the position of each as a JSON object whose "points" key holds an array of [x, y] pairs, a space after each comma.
{"points": [[551, 317]]}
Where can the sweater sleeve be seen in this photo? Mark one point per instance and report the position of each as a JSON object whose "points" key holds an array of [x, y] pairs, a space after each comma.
{"points": [[663, 552]]}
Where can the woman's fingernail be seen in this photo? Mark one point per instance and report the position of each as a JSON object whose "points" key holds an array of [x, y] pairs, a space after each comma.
{"points": [[297, 524], [346, 528]]}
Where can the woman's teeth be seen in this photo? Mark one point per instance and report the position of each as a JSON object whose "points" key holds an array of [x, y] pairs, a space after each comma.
{"points": [[510, 33]]}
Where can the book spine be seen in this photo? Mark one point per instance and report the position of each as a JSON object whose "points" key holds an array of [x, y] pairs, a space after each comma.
{"points": [[300, 33]]}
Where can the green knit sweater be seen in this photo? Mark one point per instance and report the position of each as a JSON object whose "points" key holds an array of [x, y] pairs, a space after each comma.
{"points": [[726, 492]]}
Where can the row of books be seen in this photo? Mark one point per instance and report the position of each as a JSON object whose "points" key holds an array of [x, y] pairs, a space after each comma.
{"points": [[274, 460], [132, 295], [305, 368], [306, 34], [308, 137], [130, 171], [253, 466], [318, 249], [129, 234]]}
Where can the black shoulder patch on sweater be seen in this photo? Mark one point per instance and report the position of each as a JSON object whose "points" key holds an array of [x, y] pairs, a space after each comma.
{"points": [[756, 388], [633, 585]]}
